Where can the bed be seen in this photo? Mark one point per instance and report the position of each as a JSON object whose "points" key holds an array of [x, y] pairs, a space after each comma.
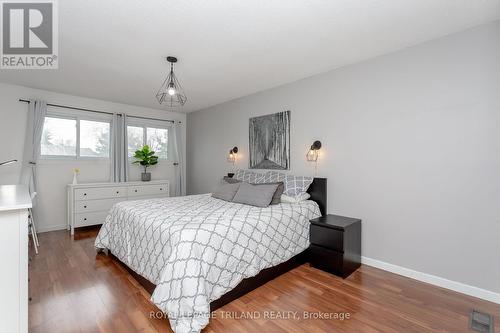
{"points": [[197, 253]]}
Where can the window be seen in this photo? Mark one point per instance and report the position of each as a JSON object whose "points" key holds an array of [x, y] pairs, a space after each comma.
{"points": [[155, 138], [59, 137], [94, 138], [75, 137], [135, 138]]}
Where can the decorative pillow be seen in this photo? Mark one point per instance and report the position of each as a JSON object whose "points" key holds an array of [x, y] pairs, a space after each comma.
{"points": [[272, 177], [295, 185], [248, 176], [230, 180], [301, 197], [226, 191], [277, 195], [255, 195]]}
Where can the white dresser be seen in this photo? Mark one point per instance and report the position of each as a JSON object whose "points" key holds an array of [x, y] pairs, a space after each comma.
{"points": [[89, 204], [14, 203]]}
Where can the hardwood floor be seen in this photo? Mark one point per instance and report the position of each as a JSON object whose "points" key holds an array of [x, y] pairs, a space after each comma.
{"points": [[73, 289]]}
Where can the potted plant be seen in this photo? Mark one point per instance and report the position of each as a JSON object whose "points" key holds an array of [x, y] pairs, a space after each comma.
{"points": [[145, 157]]}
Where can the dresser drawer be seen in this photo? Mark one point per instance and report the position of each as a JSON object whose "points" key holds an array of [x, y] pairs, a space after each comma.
{"points": [[91, 218], [326, 259], [85, 206], [148, 190], [100, 193], [327, 237]]}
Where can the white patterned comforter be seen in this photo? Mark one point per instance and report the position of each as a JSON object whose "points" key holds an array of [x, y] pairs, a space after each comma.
{"points": [[197, 248]]}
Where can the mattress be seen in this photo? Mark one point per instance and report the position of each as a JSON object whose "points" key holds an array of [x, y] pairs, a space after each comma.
{"points": [[197, 248]]}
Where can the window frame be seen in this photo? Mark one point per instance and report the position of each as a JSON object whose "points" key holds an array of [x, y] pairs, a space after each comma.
{"points": [[145, 124], [77, 116]]}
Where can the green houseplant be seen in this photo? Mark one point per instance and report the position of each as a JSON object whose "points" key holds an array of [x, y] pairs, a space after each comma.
{"points": [[146, 158]]}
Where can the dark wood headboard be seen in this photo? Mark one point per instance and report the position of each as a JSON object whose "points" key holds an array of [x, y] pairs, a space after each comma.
{"points": [[318, 191]]}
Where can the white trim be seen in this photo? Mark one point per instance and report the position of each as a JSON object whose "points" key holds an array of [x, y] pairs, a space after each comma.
{"points": [[40, 230], [73, 160], [434, 280], [63, 112], [138, 122], [119, 184]]}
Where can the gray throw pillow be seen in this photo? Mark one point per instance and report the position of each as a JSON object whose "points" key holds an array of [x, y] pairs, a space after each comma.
{"points": [[255, 195], [277, 195], [226, 191], [230, 180]]}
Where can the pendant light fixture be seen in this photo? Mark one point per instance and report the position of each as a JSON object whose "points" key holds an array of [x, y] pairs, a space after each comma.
{"points": [[171, 92]]}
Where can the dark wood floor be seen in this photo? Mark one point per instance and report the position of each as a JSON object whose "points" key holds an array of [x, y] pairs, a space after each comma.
{"points": [[75, 290]]}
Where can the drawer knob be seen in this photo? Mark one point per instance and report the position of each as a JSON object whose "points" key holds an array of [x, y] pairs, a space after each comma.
{"points": [[136, 191], [84, 206], [84, 193], [85, 219], [117, 191], [161, 189]]}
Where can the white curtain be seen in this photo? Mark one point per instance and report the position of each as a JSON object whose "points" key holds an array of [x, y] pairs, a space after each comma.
{"points": [[119, 148], [180, 187], [36, 118]]}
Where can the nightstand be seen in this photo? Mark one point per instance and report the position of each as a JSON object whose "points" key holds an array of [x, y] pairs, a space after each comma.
{"points": [[335, 244]]}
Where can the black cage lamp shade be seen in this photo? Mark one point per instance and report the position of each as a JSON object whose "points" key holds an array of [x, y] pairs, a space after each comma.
{"points": [[313, 153], [232, 155], [171, 92]]}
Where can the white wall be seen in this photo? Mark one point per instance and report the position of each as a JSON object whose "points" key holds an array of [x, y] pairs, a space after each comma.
{"points": [[54, 175], [411, 144]]}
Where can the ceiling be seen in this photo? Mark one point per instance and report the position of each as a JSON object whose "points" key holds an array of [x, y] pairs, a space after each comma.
{"points": [[115, 49]]}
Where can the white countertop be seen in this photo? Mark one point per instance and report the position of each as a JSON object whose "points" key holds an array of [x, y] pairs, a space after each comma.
{"points": [[14, 197]]}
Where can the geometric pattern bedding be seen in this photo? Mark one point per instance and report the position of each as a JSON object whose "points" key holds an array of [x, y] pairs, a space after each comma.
{"points": [[197, 248], [294, 185], [248, 176], [272, 177]]}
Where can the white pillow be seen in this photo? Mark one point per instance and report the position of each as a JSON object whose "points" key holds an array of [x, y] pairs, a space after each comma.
{"points": [[301, 197]]}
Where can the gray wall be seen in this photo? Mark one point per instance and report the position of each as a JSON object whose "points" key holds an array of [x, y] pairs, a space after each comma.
{"points": [[411, 144]]}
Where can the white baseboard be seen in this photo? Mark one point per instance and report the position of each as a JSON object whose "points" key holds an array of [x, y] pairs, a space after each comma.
{"points": [[435, 280], [41, 229]]}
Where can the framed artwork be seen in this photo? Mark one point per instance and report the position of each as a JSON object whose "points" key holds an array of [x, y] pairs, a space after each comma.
{"points": [[269, 144]]}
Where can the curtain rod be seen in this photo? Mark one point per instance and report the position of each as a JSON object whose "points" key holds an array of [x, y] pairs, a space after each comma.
{"points": [[105, 112]]}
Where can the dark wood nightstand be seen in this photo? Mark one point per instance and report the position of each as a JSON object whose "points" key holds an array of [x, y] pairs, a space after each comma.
{"points": [[335, 244]]}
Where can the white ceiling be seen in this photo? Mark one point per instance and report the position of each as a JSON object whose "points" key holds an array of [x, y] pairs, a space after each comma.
{"points": [[115, 49]]}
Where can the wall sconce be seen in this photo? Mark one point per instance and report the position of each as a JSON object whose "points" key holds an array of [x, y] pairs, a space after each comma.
{"points": [[232, 155], [313, 153]]}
